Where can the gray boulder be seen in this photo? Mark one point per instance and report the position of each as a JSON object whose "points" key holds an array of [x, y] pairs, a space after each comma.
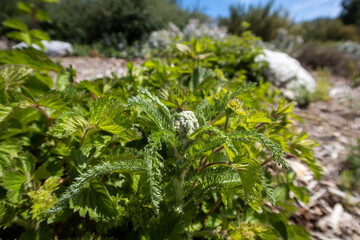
{"points": [[286, 73], [52, 48]]}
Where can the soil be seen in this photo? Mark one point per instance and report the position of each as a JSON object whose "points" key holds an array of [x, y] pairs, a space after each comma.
{"points": [[332, 212], [91, 68]]}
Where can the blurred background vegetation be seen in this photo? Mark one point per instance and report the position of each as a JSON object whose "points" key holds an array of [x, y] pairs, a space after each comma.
{"points": [[89, 21], [265, 21], [107, 27]]}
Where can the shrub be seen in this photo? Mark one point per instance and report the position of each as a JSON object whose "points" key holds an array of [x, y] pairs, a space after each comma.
{"points": [[264, 20], [350, 176], [157, 42], [349, 47], [304, 97], [162, 39], [183, 147], [21, 32], [285, 42], [121, 21], [316, 54], [327, 29], [8, 10], [351, 12]]}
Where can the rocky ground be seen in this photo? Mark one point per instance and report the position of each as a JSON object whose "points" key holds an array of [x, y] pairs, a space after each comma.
{"points": [[90, 68], [332, 212]]}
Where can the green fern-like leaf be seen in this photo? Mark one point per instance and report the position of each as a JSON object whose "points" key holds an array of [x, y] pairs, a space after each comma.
{"points": [[154, 108], [163, 109], [268, 188], [152, 112], [94, 200], [253, 136], [219, 178], [153, 168], [206, 111], [114, 164]]}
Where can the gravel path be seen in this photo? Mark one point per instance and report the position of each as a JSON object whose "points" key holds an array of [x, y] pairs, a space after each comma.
{"points": [[91, 68], [331, 213]]}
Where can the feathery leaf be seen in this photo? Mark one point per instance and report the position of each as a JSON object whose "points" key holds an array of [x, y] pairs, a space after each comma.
{"points": [[115, 163]]}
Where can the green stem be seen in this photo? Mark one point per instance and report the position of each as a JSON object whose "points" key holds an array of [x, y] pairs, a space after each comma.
{"points": [[226, 122], [179, 193], [112, 148], [92, 95], [288, 155], [211, 211], [33, 15], [219, 163], [43, 112], [194, 63], [21, 223], [179, 197]]}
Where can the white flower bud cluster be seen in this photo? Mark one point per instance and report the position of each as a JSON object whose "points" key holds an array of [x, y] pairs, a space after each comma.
{"points": [[186, 123]]}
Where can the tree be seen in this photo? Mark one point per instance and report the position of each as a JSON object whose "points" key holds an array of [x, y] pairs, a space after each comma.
{"points": [[113, 20], [8, 10], [351, 12]]}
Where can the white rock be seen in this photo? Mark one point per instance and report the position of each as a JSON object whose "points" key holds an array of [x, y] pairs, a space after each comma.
{"points": [[286, 73], [52, 48], [24, 45], [58, 48]]}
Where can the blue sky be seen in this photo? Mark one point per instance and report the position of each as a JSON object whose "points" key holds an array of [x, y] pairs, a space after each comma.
{"points": [[300, 10]]}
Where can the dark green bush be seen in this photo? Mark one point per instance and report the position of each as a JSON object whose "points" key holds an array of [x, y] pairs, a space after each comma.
{"points": [[351, 12], [112, 21], [8, 10]]}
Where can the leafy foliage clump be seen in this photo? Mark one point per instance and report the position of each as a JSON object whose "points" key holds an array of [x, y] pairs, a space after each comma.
{"points": [[107, 158], [28, 33], [265, 20], [351, 174], [113, 21]]}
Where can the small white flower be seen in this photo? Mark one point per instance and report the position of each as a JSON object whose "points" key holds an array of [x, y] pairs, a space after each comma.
{"points": [[185, 123]]}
